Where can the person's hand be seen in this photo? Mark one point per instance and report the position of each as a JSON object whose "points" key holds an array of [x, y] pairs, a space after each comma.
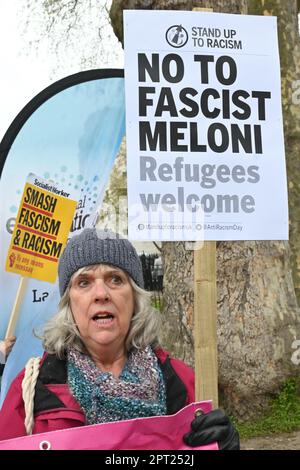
{"points": [[211, 427], [8, 344]]}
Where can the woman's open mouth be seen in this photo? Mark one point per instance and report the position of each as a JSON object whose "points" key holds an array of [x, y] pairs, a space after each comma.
{"points": [[103, 318]]}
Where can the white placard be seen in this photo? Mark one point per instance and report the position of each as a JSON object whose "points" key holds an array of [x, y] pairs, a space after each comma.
{"points": [[205, 148]]}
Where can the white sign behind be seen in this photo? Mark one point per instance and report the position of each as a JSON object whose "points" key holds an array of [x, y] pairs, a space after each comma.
{"points": [[205, 147]]}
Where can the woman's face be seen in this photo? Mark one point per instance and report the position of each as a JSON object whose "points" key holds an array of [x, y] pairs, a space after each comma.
{"points": [[102, 303]]}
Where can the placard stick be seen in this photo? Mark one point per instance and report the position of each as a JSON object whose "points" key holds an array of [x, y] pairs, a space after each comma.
{"points": [[205, 323], [205, 318], [16, 308], [203, 9]]}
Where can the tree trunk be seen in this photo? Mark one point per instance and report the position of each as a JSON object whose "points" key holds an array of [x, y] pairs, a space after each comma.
{"points": [[257, 323], [289, 44], [113, 209], [117, 7], [257, 310]]}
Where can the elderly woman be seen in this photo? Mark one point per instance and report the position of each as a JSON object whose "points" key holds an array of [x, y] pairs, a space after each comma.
{"points": [[103, 361]]}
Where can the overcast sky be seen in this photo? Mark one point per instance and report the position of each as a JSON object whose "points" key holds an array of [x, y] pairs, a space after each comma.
{"points": [[25, 70]]}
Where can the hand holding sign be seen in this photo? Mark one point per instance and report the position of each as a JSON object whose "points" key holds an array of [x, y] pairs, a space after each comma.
{"points": [[214, 426]]}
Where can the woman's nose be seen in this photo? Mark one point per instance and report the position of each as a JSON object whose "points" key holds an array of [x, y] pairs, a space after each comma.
{"points": [[101, 291]]}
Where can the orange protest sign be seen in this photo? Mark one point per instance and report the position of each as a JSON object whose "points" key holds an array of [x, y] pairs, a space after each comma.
{"points": [[41, 231]]}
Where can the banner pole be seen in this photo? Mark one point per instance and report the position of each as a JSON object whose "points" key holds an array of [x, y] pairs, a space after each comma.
{"points": [[16, 308], [205, 318]]}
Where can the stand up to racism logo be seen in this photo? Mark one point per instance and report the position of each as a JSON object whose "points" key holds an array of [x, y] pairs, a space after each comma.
{"points": [[177, 36]]}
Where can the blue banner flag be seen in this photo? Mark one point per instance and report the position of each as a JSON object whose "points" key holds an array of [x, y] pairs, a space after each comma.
{"points": [[69, 134]]}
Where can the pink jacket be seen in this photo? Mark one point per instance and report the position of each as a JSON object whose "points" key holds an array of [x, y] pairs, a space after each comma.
{"points": [[66, 413]]}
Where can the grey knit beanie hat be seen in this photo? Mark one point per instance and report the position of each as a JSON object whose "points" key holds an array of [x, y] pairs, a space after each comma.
{"points": [[93, 246]]}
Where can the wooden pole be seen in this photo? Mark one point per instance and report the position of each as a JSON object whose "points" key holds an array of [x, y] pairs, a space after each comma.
{"points": [[16, 308], [205, 323], [203, 9], [205, 318]]}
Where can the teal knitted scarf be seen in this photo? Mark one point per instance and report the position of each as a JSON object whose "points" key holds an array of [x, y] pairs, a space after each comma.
{"points": [[138, 392]]}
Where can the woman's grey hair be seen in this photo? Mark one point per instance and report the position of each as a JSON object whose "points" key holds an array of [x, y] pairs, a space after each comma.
{"points": [[61, 332]]}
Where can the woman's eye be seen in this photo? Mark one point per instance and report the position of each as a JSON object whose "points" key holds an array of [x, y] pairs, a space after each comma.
{"points": [[83, 283], [115, 279]]}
